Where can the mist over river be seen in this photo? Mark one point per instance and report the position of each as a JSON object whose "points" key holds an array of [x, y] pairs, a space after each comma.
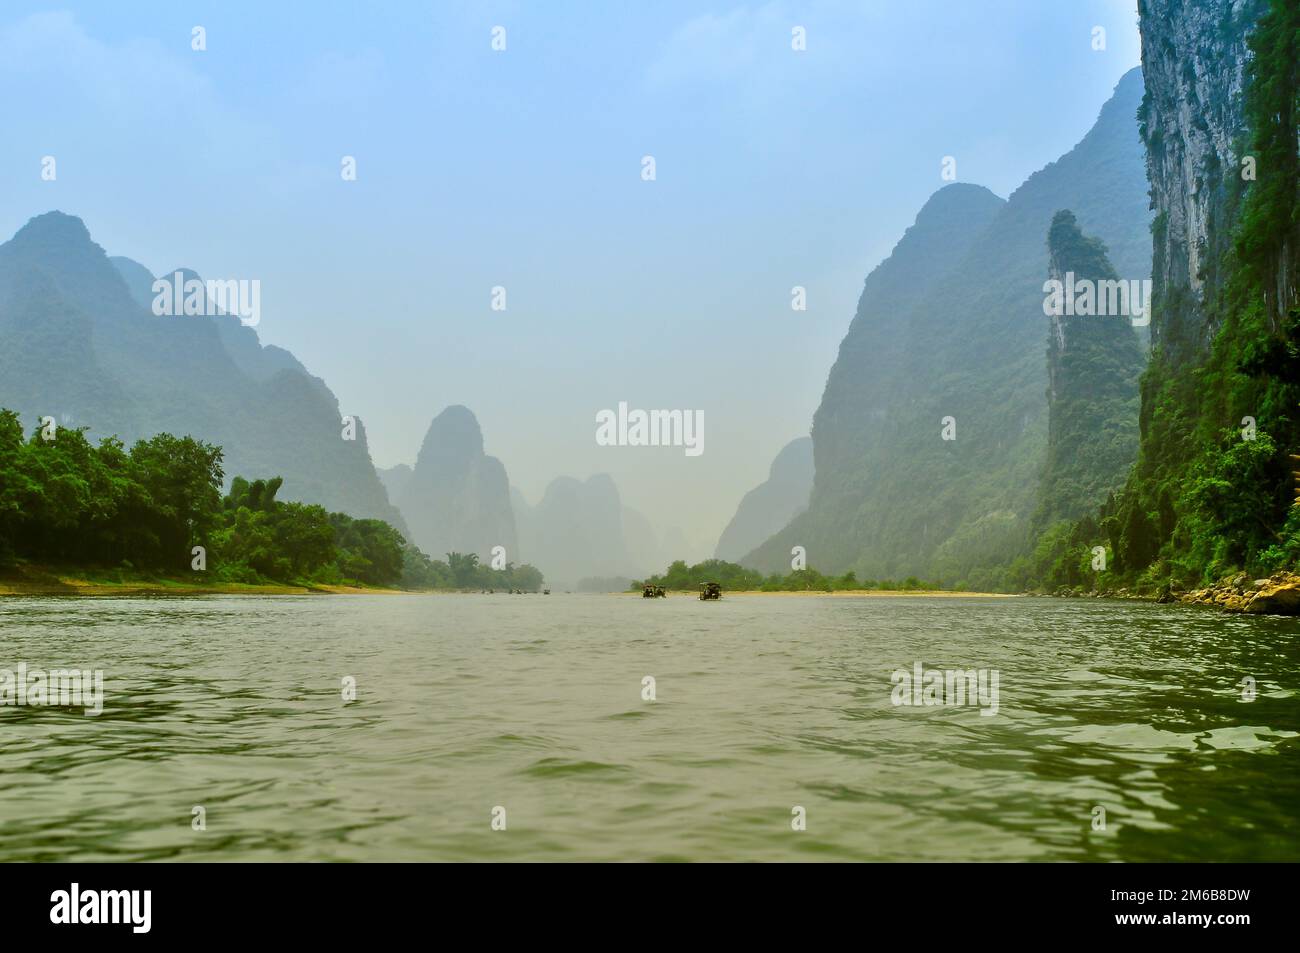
{"points": [[468, 704]]}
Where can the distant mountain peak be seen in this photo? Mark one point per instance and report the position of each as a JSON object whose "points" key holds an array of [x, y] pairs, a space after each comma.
{"points": [[79, 336], [577, 530], [958, 197], [54, 226], [457, 498], [453, 434]]}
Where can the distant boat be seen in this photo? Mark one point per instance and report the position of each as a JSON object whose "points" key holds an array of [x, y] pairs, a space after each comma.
{"points": [[710, 590]]}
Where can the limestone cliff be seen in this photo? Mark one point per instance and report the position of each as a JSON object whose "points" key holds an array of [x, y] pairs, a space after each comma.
{"points": [[1194, 57]]}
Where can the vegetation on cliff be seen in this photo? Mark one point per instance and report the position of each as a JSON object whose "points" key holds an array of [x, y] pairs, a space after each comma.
{"points": [[1211, 492], [1093, 366]]}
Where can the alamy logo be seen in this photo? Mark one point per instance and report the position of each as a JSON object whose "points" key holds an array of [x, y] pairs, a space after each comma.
{"points": [[178, 296], [651, 428], [133, 907], [946, 687], [1107, 297], [66, 687]]}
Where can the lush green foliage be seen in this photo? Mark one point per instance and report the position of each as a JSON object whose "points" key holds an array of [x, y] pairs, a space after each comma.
{"points": [[66, 502], [464, 571], [63, 500], [262, 537]]}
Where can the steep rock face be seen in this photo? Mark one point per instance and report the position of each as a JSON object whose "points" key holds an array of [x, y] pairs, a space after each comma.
{"points": [[1093, 365], [769, 506], [78, 341], [952, 326], [1211, 495], [1194, 57], [457, 499]]}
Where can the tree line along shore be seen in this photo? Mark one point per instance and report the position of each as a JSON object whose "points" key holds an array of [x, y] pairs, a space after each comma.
{"points": [[76, 517]]}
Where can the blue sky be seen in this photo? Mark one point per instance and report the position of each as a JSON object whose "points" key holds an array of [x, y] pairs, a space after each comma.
{"points": [[522, 168]]}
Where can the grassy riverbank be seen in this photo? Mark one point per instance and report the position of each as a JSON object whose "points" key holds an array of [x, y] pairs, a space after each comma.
{"points": [[30, 580]]}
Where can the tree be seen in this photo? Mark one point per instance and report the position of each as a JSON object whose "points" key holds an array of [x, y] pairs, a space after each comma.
{"points": [[463, 568]]}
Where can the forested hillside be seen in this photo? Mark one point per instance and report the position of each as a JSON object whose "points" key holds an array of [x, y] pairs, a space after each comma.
{"points": [[948, 342]]}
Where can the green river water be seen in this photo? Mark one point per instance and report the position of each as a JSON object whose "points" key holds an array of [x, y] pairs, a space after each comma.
{"points": [[766, 710]]}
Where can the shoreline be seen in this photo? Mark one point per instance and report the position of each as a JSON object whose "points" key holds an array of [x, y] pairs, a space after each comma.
{"points": [[868, 593], [48, 581]]}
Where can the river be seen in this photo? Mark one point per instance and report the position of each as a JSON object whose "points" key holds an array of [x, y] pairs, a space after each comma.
{"points": [[493, 727]]}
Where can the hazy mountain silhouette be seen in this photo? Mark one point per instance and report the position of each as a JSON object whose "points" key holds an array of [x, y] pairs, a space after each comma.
{"points": [[773, 503], [457, 498], [79, 342], [580, 529]]}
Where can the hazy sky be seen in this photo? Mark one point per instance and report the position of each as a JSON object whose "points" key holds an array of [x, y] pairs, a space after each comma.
{"points": [[522, 168]]}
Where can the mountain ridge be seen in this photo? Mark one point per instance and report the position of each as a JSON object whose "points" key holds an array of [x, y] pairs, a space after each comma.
{"points": [[951, 327], [78, 344]]}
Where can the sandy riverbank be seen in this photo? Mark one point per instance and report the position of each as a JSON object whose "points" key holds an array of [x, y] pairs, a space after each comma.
{"points": [[856, 593]]}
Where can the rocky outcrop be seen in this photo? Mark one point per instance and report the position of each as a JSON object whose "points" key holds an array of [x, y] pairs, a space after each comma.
{"points": [[1279, 594]]}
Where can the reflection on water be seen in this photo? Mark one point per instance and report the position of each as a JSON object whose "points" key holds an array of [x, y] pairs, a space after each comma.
{"points": [[534, 704]]}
